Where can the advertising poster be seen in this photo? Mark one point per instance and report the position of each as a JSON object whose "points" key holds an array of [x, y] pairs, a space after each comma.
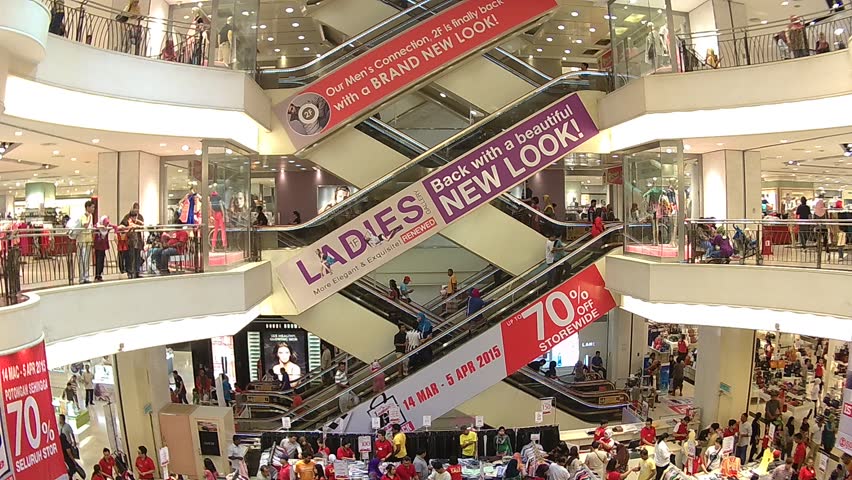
{"points": [[425, 207], [223, 357], [328, 196], [287, 351], [844, 437], [30, 435], [5, 466], [381, 72], [488, 358], [208, 437]]}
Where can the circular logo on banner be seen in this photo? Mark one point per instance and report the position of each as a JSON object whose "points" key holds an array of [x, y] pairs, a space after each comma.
{"points": [[308, 114]]}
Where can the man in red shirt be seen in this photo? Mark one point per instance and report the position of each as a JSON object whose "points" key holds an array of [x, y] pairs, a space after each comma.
{"points": [[800, 453], [600, 432], [682, 430], [145, 465], [107, 463], [406, 471], [344, 452], [682, 348], [649, 433], [384, 448], [454, 469], [732, 429]]}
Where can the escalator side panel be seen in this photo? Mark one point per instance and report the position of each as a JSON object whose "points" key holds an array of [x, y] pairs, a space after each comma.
{"points": [[356, 158], [485, 84], [514, 408], [353, 16], [498, 238]]}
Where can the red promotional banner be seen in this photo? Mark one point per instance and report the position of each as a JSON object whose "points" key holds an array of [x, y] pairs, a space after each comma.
{"points": [[381, 72], [562, 312], [33, 439]]}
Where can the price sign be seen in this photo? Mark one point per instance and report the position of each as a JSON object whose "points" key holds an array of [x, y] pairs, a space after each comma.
{"points": [[559, 314], [539, 417], [479, 421], [376, 422], [394, 414], [286, 422], [546, 406], [364, 444], [427, 420], [30, 425]]}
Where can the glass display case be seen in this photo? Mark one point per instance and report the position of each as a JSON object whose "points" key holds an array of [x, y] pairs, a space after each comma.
{"points": [[658, 195]]}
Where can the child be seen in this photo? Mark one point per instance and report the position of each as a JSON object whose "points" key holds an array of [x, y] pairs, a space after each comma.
{"points": [[455, 469]]}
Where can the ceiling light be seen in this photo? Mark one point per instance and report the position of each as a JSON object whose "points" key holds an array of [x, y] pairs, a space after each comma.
{"points": [[228, 151], [18, 133], [318, 55], [303, 168], [764, 22], [289, 10], [198, 152], [35, 174], [539, 50], [567, 51], [295, 24], [607, 17], [96, 140], [162, 144], [564, 59], [593, 29], [77, 172], [56, 152], [839, 31], [291, 161], [719, 144], [254, 27], [301, 37], [73, 159], [687, 146], [785, 3], [443, 95], [561, 27], [245, 13], [46, 166], [575, 14], [298, 165], [307, 49], [269, 39], [549, 39], [578, 41], [186, 17], [784, 141]]}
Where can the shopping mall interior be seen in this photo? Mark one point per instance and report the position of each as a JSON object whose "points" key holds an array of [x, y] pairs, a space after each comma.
{"points": [[545, 239]]}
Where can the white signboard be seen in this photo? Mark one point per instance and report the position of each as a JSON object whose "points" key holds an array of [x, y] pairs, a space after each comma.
{"points": [[376, 423], [364, 444], [539, 417], [546, 406], [285, 422], [427, 420], [479, 421]]}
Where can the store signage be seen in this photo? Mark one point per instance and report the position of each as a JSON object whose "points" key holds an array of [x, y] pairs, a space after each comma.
{"points": [[425, 207], [547, 406], [489, 357], [539, 417], [29, 423], [286, 423], [614, 175], [381, 72], [479, 421], [364, 444], [844, 437]]}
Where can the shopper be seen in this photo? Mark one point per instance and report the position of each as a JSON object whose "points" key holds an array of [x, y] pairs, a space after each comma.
{"points": [[399, 440], [512, 471], [68, 431], [612, 472], [341, 379], [180, 387], [405, 289], [210, 472], [647, 467], [390, 473], [551, 249], [291, 446], [475, 303], [502, 443], [467, 442], [235, 453], [101, 244], [88, 380], [648, 434], [399, 348], [133, 224], [325, 364], [305, 468], [82, 233], [420, 464], [173, 243], [783, 472], [558, 471], [144, 464], [97, 474], [743, 438], [383, 447], [713, 455], [596, 460], [755, 436], [541, 472], [296, 219], [438, 472], [598, 364], [807, 472], [801, 451], [803, 212], [662, 456], [551, 370]]}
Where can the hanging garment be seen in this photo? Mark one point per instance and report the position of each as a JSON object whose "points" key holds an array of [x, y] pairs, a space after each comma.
{"points": [[664, 40], [651, 48]]}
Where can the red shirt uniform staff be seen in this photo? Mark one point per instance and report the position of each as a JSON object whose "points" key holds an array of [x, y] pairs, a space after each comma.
{"points": [[649, 433], [384, 448], [145, 465]]}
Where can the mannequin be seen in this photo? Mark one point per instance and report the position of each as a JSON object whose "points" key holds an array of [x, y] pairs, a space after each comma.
{"points": [[197, 39], [691, 450], [651, 45], [217, 216], [226, 40], [664, 40], [189, 208]]}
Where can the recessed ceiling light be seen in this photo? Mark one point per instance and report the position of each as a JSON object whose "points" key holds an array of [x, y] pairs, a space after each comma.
{"points": [[785, 3], [269, 39], [245, 13], [198, 152], [443, 95], [295, 24], [564, 59], [593, 29], [289, 10], [307, 49], [228, 151], [18, 133], [162, 144], [817, 146], [291, 161], [303, 168], [719, 144], [318, 55], [73, 159], [539, 50], [185, 148], [575, 14], [180, 170], [549, 39], [77, 172], [263, 27], [578, 41], [254, 27], [784, 141], [764, 22], [186, 17], [277, 50], [56, 152], [567, 51], [96, 140], [301, 37], [561, 27]]}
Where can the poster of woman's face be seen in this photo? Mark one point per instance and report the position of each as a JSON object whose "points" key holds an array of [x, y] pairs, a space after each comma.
{"points": [[285, 351], [330, 195]]}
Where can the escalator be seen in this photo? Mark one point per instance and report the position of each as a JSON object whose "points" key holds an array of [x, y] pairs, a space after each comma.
{"points": [[588, 401], [442, 349]]}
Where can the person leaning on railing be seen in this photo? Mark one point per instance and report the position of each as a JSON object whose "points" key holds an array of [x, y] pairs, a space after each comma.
{"points": [[173, 243]]}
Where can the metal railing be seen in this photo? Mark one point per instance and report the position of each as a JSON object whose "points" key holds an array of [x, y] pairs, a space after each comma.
{"points": [[816, 33], [789, 243], [31, 258], [128, 32]]}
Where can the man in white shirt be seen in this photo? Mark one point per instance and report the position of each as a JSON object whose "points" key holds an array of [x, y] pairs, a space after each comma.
{"points": [[662, 455], [292, 447], [88, 380], [340, 377], [743, 438], [558, 472], [65, 428], [551, 248], [235, 453]]}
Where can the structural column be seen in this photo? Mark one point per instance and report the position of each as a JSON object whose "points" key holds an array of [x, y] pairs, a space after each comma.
{"points": [[731, 184], [127, 177], [628, 344], [143, 389], [723, 373]]}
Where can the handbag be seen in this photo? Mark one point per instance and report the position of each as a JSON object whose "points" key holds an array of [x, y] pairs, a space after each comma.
{"points": [[75, 451]]}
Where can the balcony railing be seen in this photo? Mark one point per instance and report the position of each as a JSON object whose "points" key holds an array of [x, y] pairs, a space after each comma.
{"points": [[797, 37], [31, 259], [128, 32], [789, 243]]}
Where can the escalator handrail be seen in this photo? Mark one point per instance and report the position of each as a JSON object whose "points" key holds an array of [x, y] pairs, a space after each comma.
{"points": [[473, 279], [563, 389], [440, 338], [381, 293], [321, 218], [350, 42]]}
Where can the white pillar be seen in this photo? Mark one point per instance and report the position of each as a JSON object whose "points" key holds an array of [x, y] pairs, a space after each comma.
{"points": [[143, 386], [731, 187], [127, 177], [628, 343], [733, 368]]}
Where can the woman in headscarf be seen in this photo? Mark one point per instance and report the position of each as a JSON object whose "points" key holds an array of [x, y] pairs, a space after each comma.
{"points": [[475, 304], [512, 472], [424, 327]]}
